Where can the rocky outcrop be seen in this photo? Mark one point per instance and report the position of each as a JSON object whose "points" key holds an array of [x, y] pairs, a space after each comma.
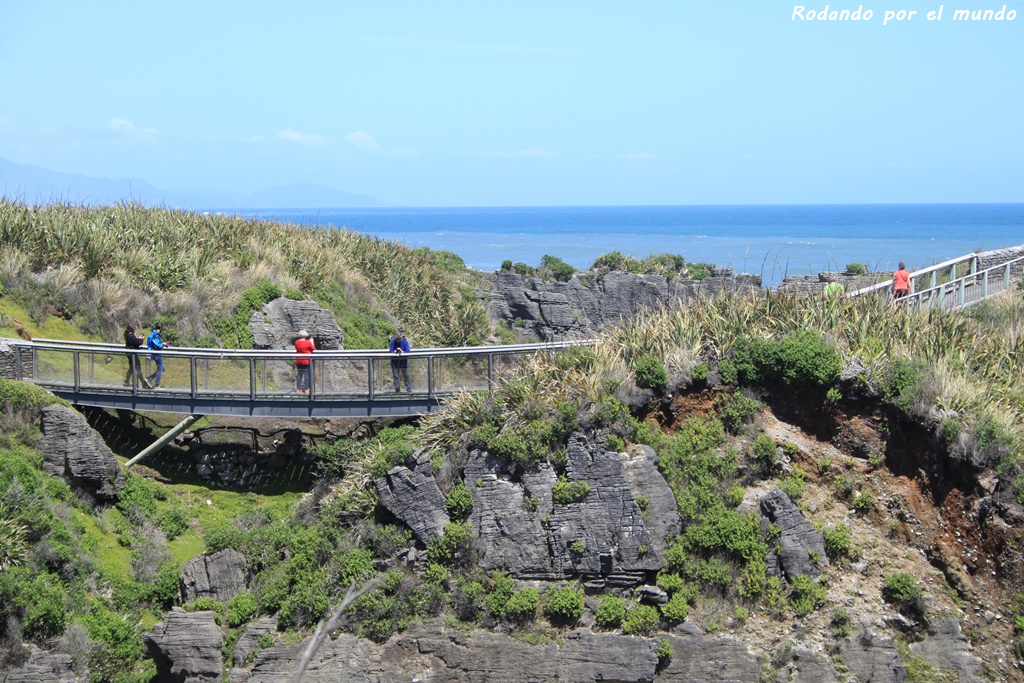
{"points": [[805, 666], [75, 452], [412, 496], [219, 576], [710, 660], [873, 658], [507, 515], [802, 546], [947, 649], [521, 529], [43, 667], [186, 647], [660, 511], [438, 654], [591, 301], [248, 643], [278, 323]]}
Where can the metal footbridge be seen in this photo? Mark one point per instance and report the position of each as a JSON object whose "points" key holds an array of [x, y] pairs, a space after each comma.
{"points": [[201, 381], [958, 283]]}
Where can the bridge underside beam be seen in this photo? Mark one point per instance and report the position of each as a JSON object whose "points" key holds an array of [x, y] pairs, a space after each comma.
{"points": [[170, 403]]}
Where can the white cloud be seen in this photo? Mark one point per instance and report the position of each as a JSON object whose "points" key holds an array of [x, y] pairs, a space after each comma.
{"points": [[254, 139], [363, 140], [304, 139], [130, 129]]}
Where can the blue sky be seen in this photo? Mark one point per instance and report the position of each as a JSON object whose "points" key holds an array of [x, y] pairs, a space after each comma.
{"points": [[525, 103]]}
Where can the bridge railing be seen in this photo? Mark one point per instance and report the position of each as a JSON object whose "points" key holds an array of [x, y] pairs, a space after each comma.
{"points": [[85, 367], [953, 284]]}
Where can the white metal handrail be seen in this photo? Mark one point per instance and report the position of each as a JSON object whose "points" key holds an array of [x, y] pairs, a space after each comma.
{"points": [[967, 290], [931, 271]]}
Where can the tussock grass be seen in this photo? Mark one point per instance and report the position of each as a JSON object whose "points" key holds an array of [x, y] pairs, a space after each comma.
{"points": [[111, 265], [975, 358]]}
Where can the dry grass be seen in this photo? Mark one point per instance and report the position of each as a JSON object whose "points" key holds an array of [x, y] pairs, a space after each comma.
{"points": [[127, 263]]}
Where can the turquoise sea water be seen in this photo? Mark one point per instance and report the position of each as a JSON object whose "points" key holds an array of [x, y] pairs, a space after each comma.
{"points": [[771, 241]]}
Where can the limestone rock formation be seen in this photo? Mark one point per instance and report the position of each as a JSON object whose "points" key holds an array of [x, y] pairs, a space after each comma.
{"points": [[43, 667], [802, 546], [521, 529], [946, 648], [412, 496], [805, 666], [873, 658], [219, 576], [186, 647], [507, 514], [248, 642], [437, 654], [560, 310], [278, 323], [75, 452], [661, 516]]}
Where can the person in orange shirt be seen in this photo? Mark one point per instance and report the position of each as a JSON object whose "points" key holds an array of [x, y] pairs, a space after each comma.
{"points": [[901, 282], [303, 346]]}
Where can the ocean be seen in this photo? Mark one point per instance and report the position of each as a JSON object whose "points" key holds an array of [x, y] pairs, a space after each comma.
{"points": [[770, 241]]}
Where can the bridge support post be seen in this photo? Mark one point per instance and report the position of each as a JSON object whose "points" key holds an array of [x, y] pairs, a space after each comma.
{"points": [[164, 440]]}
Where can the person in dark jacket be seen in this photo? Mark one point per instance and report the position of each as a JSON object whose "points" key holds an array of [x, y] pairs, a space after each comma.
{"points": [[155, 342], [131, 341], [399, 365]]}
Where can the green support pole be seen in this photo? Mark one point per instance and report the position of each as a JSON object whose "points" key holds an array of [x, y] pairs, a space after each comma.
{"points": [[164, 440]]}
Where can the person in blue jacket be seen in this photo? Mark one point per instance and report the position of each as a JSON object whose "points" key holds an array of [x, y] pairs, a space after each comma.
{"points": [[399, 365], [155, 342]]}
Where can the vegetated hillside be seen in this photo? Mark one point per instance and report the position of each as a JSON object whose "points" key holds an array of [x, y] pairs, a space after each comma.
{"points": [[897, 434], [109, 266]]}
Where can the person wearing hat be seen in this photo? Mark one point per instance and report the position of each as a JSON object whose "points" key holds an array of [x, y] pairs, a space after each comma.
{"points": [[303, 346], [400, 366], [155, 342]]}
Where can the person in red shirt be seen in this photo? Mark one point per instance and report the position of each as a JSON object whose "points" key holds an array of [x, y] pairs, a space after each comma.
{"points": [[901, 282], [303, 347]]}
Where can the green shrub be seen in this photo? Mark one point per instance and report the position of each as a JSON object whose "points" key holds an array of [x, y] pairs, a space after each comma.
{"points": [[763, 449], [559, 269], [459, 501], [862, 503], [522, 605], [117, 643], [502, 587], [206, 604], [801, 359], [737, 410], [172, 522], [614, 442], [699, 374], [856, 268], [40, 600], [241, 608], [793, 485], [806, 595], [650, 373], [727, 371], [904, 591], [611, 612], [664, 651], [565, 605], [837, 542], [453, 547], [676, 609], [566, 492], [641, 620], [670, 583]]}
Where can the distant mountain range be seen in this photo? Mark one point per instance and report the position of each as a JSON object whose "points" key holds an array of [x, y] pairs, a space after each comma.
{"points": [[39, 185]]}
